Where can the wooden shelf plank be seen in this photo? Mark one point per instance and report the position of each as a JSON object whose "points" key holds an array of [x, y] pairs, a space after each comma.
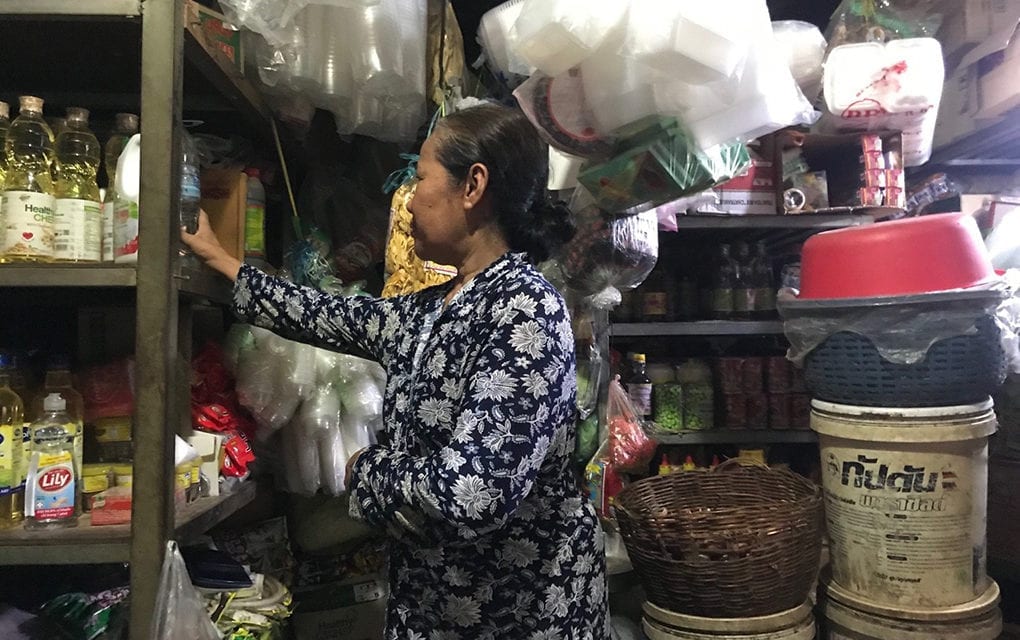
{"points": [[698, 328], [739, 436], [86, 544], [798, 221], [67, 275], [96, 8]]}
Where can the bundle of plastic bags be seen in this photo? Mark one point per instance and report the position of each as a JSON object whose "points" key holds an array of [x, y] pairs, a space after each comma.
{"points": [[364, 61], [717, 67], [325, 405]]}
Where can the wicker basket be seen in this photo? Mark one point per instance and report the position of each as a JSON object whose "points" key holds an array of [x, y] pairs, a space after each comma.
{"points": [[848, 369], [735, 542]]}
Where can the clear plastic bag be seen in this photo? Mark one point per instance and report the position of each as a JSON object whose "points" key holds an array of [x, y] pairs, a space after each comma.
{"points": [[179, 613], [556, 35], [883, 20], [558, 108], [803, 46], [630, 448], [333, 456], [608, 251]]}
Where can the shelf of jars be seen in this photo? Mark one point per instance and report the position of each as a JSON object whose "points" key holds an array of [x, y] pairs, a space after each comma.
{"points": [[739, 436], [87, 544]]}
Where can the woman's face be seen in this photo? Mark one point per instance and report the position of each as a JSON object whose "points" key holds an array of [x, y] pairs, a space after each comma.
{"points": [[438, 220]]}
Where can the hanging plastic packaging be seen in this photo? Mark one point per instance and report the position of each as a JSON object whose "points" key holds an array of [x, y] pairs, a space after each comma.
{"points": [[608, 251], [179, 613], [803, 46], [555, 35], [630, 448], [558, 109], [495, 36], [884, 20]]}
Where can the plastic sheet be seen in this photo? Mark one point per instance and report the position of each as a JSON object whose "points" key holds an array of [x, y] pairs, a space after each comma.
{"points": [[365, 63], [557, 107], [904, 332], [608, 251], [179, 613], [803, 46]]}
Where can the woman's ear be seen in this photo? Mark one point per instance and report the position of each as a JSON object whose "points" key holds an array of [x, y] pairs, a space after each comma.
{"points": [[475, 185]]}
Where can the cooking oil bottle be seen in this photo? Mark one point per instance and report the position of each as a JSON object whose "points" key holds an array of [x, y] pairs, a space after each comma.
{"points": [[52, 491], [26, 213], [78, 218], [126, 125], [12, 490], [59, 381], [5, 124]]}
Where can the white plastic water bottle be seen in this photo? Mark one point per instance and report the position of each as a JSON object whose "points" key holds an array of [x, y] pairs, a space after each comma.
{"points": [[191, 184]]}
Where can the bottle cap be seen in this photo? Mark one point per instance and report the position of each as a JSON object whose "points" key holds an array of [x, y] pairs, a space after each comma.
{"points": [[253, 172], [638, 357], [58, 362], [5, 110], [54, 402], [78, 115], [31, 103], [127, 123]]}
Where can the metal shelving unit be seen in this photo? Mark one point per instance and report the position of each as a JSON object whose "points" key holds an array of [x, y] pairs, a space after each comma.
{"points": [[800, 221], [168, 40], [739, 436], [696, 328]]}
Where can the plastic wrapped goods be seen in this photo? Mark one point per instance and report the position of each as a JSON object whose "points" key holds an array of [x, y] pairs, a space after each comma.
{"points": [[894, 86], [555, 35], [884, 20], [609, 251], [494, 34], [658, 164], [803, 46], [557, 107]]}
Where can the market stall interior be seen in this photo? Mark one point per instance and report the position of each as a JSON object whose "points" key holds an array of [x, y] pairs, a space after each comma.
{"points": [[793, 290]]}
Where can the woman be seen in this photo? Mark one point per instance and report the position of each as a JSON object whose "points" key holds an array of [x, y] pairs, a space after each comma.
{"points": [[491, 537]]}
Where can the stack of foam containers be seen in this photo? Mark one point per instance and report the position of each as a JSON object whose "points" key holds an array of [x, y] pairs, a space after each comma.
{"points": [[893, 86]]}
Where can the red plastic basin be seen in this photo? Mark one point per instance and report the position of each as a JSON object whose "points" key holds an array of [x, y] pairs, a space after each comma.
{"points": [[902, 257]]}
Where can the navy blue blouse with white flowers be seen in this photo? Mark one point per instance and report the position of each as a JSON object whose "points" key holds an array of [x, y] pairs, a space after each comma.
{"points": [[491, 537]]}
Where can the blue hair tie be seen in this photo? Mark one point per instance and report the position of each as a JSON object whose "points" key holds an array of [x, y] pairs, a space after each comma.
{"points": [[400, 176]]}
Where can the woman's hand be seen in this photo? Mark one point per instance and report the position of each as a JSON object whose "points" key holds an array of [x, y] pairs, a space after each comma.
{"points": [[204, 244]]}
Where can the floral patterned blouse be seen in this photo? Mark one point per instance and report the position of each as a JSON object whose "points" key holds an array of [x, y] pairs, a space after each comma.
{"points": [[491, 538]]}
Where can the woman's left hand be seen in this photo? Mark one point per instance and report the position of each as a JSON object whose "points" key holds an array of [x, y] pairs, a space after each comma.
{"points": [[350, 468]]}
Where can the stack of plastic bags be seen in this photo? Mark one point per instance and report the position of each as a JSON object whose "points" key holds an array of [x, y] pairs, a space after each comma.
{"points": [[362, 60], [325, 405], [716, 67]]}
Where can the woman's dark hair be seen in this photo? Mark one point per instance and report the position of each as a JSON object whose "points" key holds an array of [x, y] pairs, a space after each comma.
{"points": [[502, 139]]}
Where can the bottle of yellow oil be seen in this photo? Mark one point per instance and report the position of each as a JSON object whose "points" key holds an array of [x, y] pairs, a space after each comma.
{"points": [[12, 489], [5, 124], [26, 210], [78, 217]]}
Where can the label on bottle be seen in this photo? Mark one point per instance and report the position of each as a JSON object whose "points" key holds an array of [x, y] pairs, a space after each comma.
{"points": [[52, 487], [640, 395], [722, 302], [654, 304], [78, 228], [108, 215], [28, 224], [744, 300], [765, 299], [254, 231], [125, 231], [10, 459]]}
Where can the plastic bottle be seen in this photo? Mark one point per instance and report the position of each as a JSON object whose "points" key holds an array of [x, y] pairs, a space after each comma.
{"points": [[78, 218], [723, 285], [58, 380], [191, 184], [654, 292], [28, 198], [53, 492], [12, 422], [5, 124], [125, 216], [255, 216], [20, 386], [765, 299], [639, 388], [126, 125], [745, 290]]}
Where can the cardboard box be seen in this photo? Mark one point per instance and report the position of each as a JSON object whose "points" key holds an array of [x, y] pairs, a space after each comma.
{"points": [[216, 35], [999, 73], [971, 22], [210, 448], [224, 194], [351, 610], [752, 193]]}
